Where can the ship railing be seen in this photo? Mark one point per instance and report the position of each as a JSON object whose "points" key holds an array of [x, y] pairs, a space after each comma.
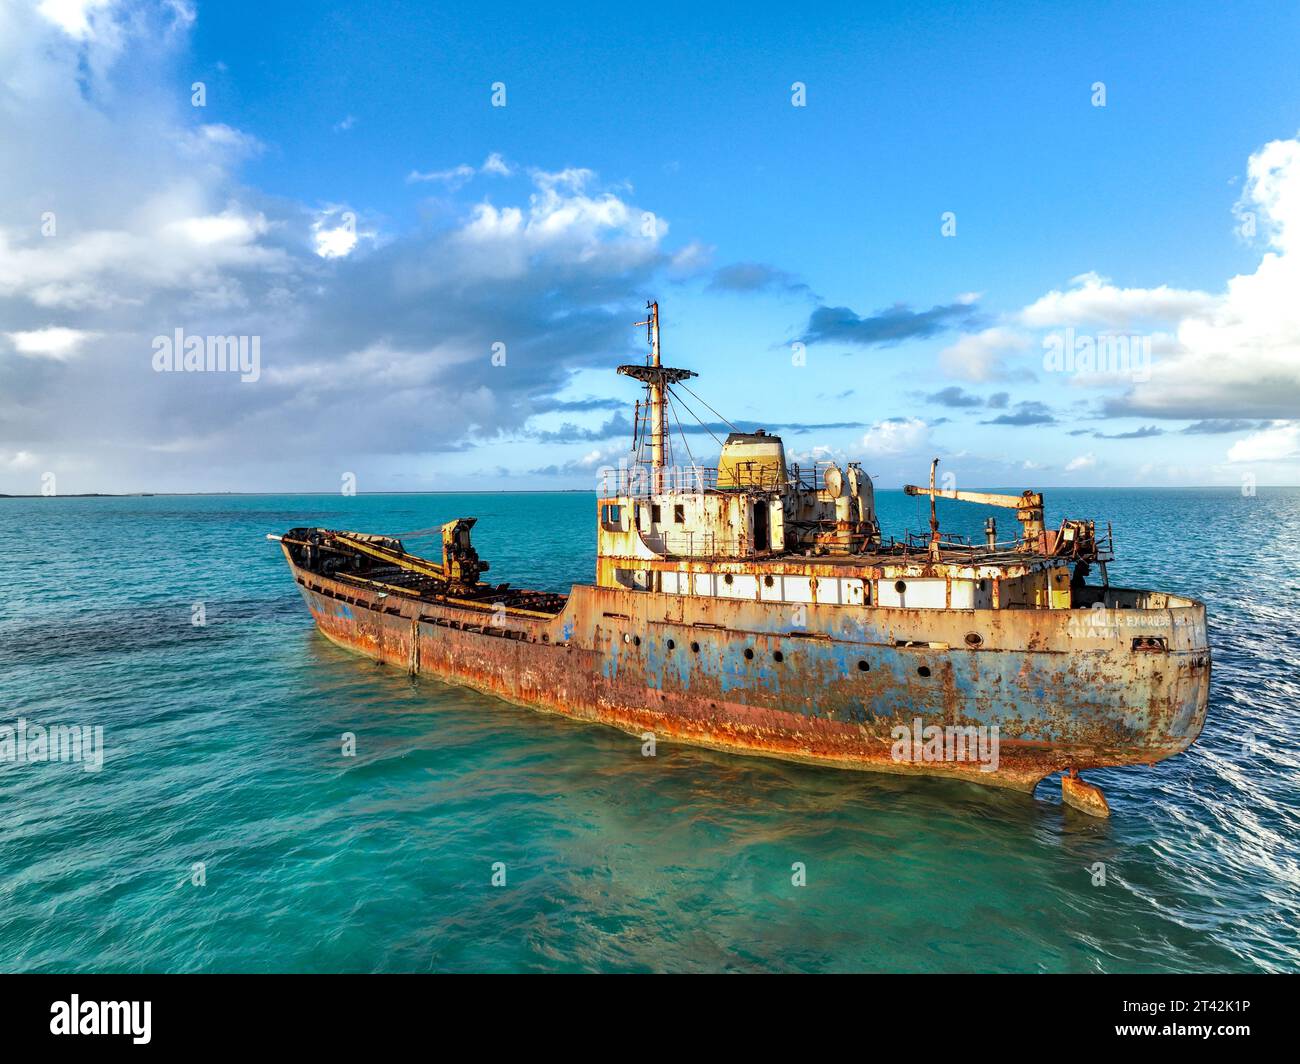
{"points": [[919, 542], [641, 481], [810, 478]]}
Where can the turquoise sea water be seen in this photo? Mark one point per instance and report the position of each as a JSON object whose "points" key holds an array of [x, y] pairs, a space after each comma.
{"points": [[222, 746]]}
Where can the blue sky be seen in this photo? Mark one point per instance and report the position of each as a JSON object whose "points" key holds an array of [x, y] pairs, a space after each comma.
{"points": [[526, 225]]}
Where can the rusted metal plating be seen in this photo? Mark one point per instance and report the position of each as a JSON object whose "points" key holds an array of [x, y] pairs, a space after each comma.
{"points": [[762, 612]]}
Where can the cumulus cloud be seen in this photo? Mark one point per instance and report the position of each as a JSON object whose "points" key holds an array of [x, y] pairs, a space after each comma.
{"points": [[371, 350], [1237, 356], [1083, 461], [1093, 300], [895, 435], [1278, 442], [76, 18], [982, 356]]}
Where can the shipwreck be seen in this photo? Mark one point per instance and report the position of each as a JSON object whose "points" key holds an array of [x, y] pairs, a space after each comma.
{"points": [[755, 607]]}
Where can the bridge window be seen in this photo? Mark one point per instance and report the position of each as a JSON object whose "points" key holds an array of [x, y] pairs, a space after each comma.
{"points": [[679, 513]]}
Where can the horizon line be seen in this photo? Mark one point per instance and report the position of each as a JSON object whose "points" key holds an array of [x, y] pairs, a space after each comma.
{"points": [[572, 491]]}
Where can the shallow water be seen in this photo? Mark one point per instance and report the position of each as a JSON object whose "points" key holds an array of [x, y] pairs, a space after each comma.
{"points": [[222, 746]]}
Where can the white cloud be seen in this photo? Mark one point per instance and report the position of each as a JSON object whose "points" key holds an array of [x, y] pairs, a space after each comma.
{"points": [[55, 342], [1278, 442], [692, 258], [602, 456], [74, 17], [165, 233], [1084, 461], [18, 460], [982, 356], [1236, 354], [1095, 301], [494, 164], [898, 435], [573, 178], [218, 137], [335, 233], [457, 176], [561, 222], [228, 227]]}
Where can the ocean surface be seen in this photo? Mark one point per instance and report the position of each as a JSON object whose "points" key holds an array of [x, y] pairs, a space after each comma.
{"points": [[222, 750]]}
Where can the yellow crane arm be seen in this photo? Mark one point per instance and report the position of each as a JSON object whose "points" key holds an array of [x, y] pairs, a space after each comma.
{"points": [[988, 498], [1028, 507]]}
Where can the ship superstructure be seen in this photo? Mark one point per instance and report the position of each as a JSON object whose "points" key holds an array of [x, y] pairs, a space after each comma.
{"points": [[754, 606]]}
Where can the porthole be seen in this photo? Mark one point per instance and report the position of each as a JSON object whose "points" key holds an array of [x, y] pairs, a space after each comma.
{"points": [[768, 581], [924, 670], [695, 647], [671, 645], [863, 667], [636, 640], [777, 656], [974, 639], [729, 579], [900, 586], [749, 653]]}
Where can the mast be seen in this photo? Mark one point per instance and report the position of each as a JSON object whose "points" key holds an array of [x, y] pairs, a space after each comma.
{"points": [[656, 378], [658, 422]]}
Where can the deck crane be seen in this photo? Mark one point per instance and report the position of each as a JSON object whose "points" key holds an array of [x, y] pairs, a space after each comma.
{"points": [[1074, 539], [1028, 507]]}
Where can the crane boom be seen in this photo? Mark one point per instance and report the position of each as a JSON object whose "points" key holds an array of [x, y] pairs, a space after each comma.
{"points": [[1028, 506], [986, 498]]}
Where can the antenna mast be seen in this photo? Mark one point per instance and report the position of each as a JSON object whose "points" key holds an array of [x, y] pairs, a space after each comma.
{"points": [[656, 378], [655, 385]]}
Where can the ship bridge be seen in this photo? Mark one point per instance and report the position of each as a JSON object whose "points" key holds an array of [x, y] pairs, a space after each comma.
{"points": [[757, 527], [751, 507]]}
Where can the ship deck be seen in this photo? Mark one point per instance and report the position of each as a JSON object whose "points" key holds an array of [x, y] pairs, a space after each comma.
{"points": [[949, 554], [392, 578]]}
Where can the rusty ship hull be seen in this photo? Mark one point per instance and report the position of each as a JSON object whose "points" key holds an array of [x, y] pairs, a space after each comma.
{"points": [[756, 606], [1066, 689]]}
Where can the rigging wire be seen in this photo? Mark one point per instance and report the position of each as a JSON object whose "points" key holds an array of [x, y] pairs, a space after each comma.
{"points": [[713, 412], [686, 407], [685, 442]]}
